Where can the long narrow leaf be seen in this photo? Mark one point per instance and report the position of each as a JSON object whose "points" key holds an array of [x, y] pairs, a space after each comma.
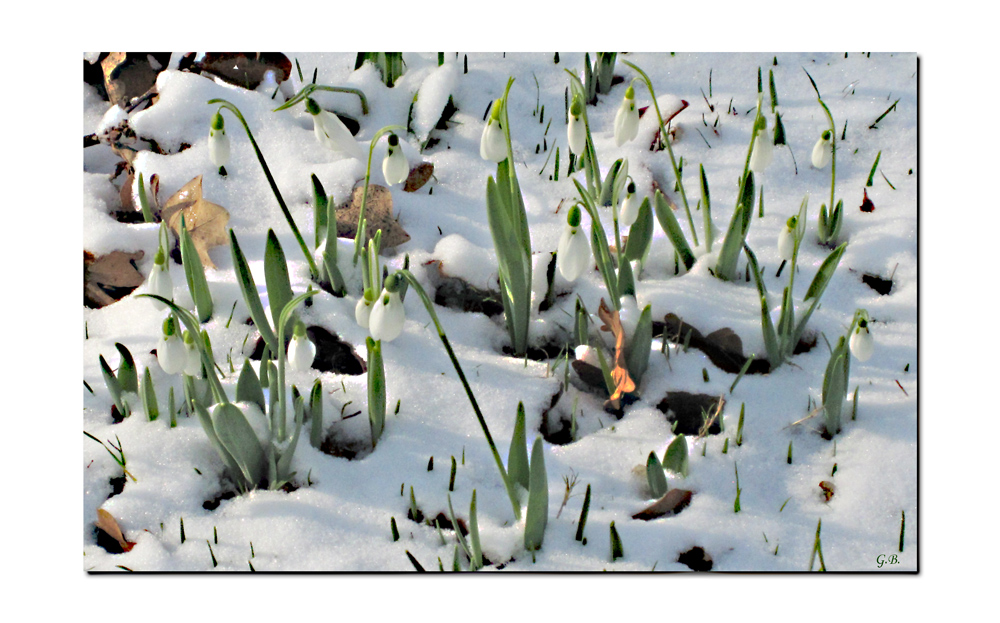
{"points": [[655, 477], [538, 500], [195, 274], [249, 289], [665, 215], [279, 288], [640, 234], [774, 351], [637, 357], [517, 456], [248, 387], [127, 375], [239, 439]]}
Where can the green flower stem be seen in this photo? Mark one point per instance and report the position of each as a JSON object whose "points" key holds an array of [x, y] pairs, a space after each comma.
{"points": [[670, 151], [307, 90], [833, 140], [313, 269], [590, 153], [286, 313], [364, 193], [511, 493]]}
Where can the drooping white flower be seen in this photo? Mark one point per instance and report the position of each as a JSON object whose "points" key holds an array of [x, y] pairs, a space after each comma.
{"points": [[218, 142], [573, 253], [301, 350], [576, 130], [493, 145], [192, 365], [332, 133], [763, 149], [630, 207], [395, 167], [822, 150], [363, 310], [159, 281], [627, 119], [387, 317], [170, 351], [861, 342], [786, 239]]}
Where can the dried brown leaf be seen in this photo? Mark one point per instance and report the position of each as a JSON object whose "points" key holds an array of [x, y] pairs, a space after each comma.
{"points": [[205, 221], [672, 503], [108, 524], [418, 177], [378, 213], [619, 372], [115, 270], [828, 489]]}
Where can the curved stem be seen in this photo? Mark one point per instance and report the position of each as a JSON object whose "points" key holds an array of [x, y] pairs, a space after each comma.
{"points": [[590, 153], [309, 88], [670, 151], [282, 357], [313, 269], [364, 192], [833, 152], [515, 503]]}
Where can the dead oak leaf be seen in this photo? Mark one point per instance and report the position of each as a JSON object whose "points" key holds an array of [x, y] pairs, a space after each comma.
{"points": [[672, 503], [378, 213], [619, 372], [205, 221], [108, 278], [418, 177], [107, 524]]}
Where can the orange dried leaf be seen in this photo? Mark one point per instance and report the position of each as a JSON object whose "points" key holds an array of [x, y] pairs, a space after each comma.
{"points": [[108, 524], [619, 372]]}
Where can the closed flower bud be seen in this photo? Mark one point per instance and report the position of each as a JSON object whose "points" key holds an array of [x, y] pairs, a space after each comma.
{"points": [[861, 342], [395, 167], [159, 281], [301, 350], [192, 365], [170, 351], [573, 253], [823, 150], [363, 310], [218, 142], [387, 317], [627, 119], [577, 129], [763, 150], [630, 207], [493, 146], [332, 133], [786, 239]]}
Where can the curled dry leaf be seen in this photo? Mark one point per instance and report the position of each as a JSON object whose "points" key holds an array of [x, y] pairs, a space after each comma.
{"points": [[108, 278], [672, 503], [619, 371], [132, 74], [378, 213], [418, 177], [107, 523], [828, 489], [205, 221]]}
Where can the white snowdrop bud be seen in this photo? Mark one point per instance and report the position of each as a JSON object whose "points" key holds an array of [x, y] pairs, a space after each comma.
{"points": [[159, 281], [395, 167], [192, 364], [576, 130], [861, 342], [170, 351], [332, 133], [218, 142], [573, 253], [786, 239], [493, 145], [763, 149], [363, 310], [823, 150], [387, 317], [627, 119], [630, 207], [301, 350]]}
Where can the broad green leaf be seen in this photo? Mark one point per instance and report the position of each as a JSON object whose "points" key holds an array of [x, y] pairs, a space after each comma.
{"points": [[206, 424], [148, 395], [279, 289], [128, 378], [239, 439], [195, 274], [637, 357], [611, 186], [706, 209], [665, 215], [818, 286], [626, 281], [249, 289], [320, 212], [517, 456], [333, 273], [376, 389], [640, 234], [676, 457], [538, 499], [316, 414], [725, 268], [248, 387], [655, 477], [601, 252], [114, 387]]}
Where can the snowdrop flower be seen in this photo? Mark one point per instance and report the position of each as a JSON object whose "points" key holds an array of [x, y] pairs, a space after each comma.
{"points": [[218, 142], [363, 310], [573, 253], [493, 146], [301, 351], [395, 167], [861, 343], [822, 150], [627, 119], [577, 129], [331, 131], [192, 357], [786, 239], [159, 281], [387, 316], [170, 351], [630, 207], [763, 149]]}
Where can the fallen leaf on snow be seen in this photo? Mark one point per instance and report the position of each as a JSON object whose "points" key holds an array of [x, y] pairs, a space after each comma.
{"points": [[418, 177], [108, 524], [672, 503], [205, 221], [619, 371], [378, 213], [108, 278]]}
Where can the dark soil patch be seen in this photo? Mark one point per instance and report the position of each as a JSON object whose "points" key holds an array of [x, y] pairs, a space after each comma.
{"points": [[723, 347], [690, 411], [117, 485], [332, 353], [880, 285], [458, 294], [542, 352], [697, 559], [555, 428]]}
